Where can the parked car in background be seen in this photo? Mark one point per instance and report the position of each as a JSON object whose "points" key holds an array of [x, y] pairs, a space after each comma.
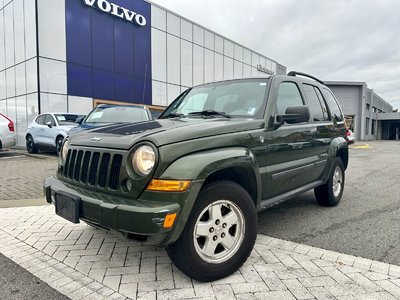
{"points": [[350, 136], [48, 131], [107, 114], [7, 132]]}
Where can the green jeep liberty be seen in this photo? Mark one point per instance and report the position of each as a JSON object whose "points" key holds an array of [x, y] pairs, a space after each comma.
{"points": [[194, 179]]}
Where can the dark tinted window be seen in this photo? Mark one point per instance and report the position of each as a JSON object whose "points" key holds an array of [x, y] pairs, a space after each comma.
{"points": [[288, 95], [323, 104], [314, 103], [41, 119], [333, 105]]}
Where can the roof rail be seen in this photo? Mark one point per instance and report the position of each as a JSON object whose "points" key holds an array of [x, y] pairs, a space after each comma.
{"points": [[295, 73]]}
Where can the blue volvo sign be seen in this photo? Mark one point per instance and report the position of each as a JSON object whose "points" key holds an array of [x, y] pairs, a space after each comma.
{"points": [[109, 49]]}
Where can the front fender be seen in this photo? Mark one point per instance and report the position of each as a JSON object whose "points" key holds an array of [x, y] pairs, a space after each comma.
{"points": [[198, 166]]}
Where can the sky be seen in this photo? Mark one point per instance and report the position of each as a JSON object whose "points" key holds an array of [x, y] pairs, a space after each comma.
{"points": [[344, 40]]}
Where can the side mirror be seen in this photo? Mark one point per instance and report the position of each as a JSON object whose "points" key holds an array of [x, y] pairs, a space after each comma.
{"points": [[49, 124], [79, 120], [294, 115]]}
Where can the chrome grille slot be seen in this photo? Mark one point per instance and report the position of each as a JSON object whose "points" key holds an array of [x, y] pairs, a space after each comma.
{"points": [[105, 161], [85, 166], [72, 164], [78, 165], [93, 168], [114, 172]]}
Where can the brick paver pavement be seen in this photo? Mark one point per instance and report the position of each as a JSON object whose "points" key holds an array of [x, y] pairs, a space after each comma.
{"points": [[22, 177], [86, 263]]}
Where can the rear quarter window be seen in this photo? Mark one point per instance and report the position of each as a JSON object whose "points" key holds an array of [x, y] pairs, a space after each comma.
{"points": [[336, 113]]}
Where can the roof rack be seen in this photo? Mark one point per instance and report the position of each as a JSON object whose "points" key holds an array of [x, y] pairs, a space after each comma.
{"points": [[295, 73]]}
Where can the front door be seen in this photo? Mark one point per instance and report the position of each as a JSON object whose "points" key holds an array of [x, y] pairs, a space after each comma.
{"points": [[290, 147]]}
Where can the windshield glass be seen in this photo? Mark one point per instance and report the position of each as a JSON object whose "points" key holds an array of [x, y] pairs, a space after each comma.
{"points": [[241, 98], [67, 119], [117, 114]]}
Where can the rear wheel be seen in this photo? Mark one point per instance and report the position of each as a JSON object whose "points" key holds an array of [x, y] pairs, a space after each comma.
{"points": [[30, 145], [331, 192], [219, 235]]}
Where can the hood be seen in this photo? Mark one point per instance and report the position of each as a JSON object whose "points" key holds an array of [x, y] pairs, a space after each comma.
{"points": [[86, 126], [161, 131]]}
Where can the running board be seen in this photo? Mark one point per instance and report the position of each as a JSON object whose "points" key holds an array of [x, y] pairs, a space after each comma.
{"points": [[264, 204]]}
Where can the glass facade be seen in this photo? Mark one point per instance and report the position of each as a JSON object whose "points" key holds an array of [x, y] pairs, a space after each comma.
{"points": [[186, 54], [73, 55], [18, 63]]}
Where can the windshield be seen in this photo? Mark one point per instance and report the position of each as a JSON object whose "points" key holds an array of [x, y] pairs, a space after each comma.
{"points": [[241, 98], [117, 114], [67, 119]]}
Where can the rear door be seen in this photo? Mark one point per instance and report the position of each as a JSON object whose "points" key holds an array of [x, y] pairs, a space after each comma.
{"points": [[37, 129], [290, 147], [325, 130]]}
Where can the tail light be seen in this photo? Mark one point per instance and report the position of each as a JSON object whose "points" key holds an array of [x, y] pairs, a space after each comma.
{"points": [[10, 123]]}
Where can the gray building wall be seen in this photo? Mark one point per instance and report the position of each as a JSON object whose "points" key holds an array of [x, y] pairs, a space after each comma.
{"points": [[364, 105]]}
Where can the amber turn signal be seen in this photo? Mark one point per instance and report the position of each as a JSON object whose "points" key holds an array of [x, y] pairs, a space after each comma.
{"points": [[169, 220], [168, 185]]}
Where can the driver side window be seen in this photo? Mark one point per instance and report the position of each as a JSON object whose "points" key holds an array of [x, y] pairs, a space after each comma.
{"points": [[288, 95], [49, 118]]}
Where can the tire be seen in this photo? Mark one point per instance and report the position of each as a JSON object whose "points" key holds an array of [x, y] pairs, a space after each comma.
{"points": [[30, 145], [331, 192], [234, 227], [59, 142]]}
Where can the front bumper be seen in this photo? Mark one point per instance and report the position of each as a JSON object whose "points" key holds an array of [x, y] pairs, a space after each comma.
{"points": [[143, 217]]}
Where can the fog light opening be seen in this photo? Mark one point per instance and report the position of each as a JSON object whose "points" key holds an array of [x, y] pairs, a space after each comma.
{"points": [[126, 185]]}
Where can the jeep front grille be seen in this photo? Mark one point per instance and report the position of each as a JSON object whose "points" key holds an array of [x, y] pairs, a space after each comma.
{"points": [[93, 168]]}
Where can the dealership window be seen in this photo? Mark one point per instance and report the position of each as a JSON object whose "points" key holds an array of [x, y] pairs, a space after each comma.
{"points": [[367, 126], [373, 127], [288, 95], [368, 106]]}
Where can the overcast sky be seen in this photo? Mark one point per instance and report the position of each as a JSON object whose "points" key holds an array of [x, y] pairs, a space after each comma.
{"points": [[333, 40]]}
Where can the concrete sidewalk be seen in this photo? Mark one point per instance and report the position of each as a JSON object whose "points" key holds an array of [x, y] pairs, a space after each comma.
{"points": [[86, 263]]}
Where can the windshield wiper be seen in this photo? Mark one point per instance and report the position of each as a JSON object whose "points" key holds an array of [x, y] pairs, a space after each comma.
{"points": [[173, 115], [210, 112]]}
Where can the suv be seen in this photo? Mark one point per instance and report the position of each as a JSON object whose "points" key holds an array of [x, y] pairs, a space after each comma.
{"points": [[194, 179], [47, 131]]}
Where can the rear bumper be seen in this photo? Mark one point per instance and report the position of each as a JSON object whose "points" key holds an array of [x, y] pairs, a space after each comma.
{"points": [[144, 217], [8, 142]]}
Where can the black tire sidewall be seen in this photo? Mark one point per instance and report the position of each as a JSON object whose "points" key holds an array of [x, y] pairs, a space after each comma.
{"points": [[190, 262], [59, 144], [324, 193], [30, 145]]}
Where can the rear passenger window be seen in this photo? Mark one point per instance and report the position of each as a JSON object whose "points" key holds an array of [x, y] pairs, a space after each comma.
{"points": [[323, 104], [288, 95], [333, 105], [317, 110]]}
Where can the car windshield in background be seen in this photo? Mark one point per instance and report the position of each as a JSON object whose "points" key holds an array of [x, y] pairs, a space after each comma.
{"points": [[117, 114], [241, 98], [66, 119]]}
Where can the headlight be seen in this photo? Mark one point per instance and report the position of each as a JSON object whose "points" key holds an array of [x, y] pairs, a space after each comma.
{"points": [[143, 160], [64, 150]]}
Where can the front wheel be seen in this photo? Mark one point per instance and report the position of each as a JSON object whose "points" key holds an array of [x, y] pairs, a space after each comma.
{"points": [[59, 143], [219, 235], [331, 192]]}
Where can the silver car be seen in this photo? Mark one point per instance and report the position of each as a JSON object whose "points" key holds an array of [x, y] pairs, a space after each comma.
{"points": [[48, 131], [7, 132]]}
